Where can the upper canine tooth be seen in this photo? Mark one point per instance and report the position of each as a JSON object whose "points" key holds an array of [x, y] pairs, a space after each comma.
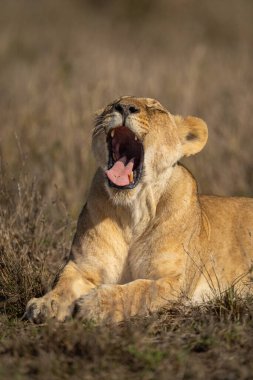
{"points": [[135, 137], [112, 133]]}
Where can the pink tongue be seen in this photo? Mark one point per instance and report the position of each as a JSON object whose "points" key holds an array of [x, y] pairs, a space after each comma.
{"points": [[119, 174]]}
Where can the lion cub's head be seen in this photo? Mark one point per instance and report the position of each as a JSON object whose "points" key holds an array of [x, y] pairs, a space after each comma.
{"points": [[137, 141]]}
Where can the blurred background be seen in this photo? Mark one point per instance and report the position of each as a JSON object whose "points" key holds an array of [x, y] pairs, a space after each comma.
{"points": [[61, 60]]}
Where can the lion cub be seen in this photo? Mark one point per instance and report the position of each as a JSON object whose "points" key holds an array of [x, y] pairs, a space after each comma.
{"points": [[146, 237]]}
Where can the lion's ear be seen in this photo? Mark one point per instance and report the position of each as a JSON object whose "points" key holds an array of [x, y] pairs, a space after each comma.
{"points": [[193, 134]]}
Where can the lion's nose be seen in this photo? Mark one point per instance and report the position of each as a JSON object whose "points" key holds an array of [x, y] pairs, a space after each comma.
{"points": [[126, 109]]}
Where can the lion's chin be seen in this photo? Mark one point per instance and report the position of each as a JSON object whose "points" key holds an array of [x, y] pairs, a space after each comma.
{"points": [[120, 197]]}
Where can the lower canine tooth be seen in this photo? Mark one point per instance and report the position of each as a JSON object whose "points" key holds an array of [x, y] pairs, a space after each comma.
{"points": [[131, 177]]}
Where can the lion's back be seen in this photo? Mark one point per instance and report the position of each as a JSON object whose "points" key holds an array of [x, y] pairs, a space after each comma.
{"points": [[230, 222]]}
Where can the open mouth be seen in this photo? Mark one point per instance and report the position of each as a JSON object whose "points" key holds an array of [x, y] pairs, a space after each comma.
{"points": [[126, 155]]}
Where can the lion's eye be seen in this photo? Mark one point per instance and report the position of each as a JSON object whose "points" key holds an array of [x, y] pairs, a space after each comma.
{"points": [[133, 109], [156, 109]]}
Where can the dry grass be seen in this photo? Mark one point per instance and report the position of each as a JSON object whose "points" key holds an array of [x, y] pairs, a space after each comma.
{"points": [[180, 343], [59, 62]]}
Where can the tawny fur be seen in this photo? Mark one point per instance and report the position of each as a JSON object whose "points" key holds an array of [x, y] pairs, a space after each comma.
{"points": [[135, 251]]}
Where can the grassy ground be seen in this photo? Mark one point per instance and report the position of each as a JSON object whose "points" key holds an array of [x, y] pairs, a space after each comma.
{"points": [[60, 61], [213, 342]]}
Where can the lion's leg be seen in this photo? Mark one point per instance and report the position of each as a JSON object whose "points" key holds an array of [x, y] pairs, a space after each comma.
{"points": [[114, 303], [58, 303], [98, 256]]}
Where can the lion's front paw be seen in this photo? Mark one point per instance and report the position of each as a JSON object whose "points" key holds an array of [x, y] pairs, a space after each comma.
{"points": [[88, 307], [39, 310], [100, 305]]}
